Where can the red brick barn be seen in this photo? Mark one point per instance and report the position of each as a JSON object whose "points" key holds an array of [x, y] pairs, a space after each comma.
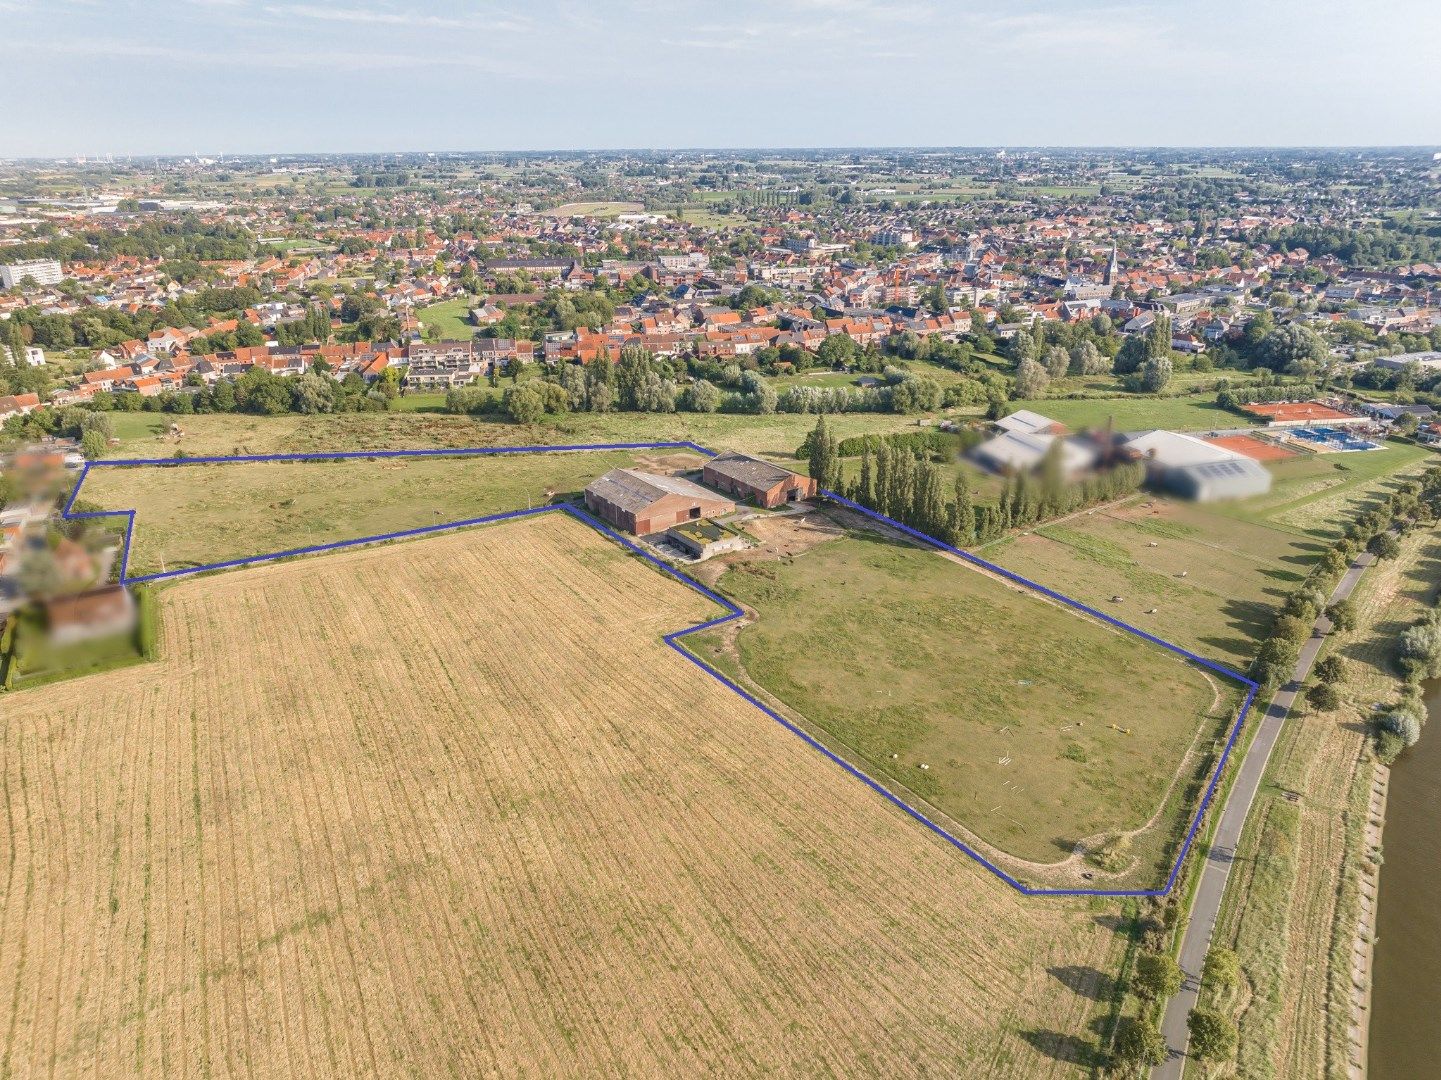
{"points": [[645, 503], [748, 477]]}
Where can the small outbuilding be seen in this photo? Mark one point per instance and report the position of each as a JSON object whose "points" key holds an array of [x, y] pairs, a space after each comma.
{"points": [[702, 539], [754, 478], [645, 503]]}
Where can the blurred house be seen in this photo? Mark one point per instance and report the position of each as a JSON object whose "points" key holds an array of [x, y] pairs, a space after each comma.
{"points": [[97, 613], [1194, 468], [1017, 452]]}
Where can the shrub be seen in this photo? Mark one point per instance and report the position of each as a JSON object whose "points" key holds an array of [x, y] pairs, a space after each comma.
{"points": [[1213, 1036], [1404, 724], [1140, 1043], [1157, 976], [1342, 615], [1222, 970], [1384, 545], [1418, 651]]}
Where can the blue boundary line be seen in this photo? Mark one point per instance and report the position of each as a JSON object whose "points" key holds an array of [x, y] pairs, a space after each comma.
{"points": [[673, 639]]}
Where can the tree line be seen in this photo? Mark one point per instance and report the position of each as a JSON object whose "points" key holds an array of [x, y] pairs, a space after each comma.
{"points": [[908, 485]]}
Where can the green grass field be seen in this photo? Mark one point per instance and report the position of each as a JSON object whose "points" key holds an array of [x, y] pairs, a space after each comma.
{"points": [[904, 658], [200, 514], [1319, 494], [1236, 572], [777, 435], [449, 318], [1241, 559], [1200, 413]]}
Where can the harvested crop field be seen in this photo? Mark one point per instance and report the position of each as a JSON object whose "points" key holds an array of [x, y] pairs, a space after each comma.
{"points": [[451, 807]]}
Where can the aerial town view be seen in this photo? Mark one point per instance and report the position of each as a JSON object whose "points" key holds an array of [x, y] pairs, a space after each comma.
{"points": [[819, 538]]}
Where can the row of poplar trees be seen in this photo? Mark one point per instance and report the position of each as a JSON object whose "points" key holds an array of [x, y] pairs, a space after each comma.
{"points": [[908, 487]]}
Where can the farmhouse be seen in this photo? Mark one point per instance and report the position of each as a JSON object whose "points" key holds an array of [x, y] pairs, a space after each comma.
{"points": [[646, 503], [749, 477]]}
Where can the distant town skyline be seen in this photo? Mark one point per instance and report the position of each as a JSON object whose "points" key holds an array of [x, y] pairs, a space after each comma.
{"points": [[208, 77]]}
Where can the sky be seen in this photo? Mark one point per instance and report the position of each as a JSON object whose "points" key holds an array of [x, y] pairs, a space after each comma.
{"points": [[207, 77]]}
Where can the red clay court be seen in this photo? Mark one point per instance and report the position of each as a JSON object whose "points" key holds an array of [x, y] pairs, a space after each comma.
{"points": [[1253, 447], [1299, 412]]}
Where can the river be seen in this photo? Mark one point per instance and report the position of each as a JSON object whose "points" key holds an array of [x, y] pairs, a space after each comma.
{"points": [[1406, 989]]}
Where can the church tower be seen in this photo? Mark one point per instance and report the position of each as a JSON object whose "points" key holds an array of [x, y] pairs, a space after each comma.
{"points": [[1111, 268]]}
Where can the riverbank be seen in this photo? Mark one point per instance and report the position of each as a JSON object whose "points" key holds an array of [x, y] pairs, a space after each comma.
{"points": [[1301, 909], [1407, 991]]}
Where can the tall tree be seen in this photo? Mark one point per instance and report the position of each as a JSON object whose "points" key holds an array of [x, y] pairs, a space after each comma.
{"points": [[825, 456], [1158, 338], [963, 515], [1031, 379]]}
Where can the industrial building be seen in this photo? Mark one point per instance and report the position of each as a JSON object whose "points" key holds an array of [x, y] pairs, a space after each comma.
{"points": [[1196, 469]]}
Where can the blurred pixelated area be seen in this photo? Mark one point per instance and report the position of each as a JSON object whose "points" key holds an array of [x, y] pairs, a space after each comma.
{"points": [[63, 608]]}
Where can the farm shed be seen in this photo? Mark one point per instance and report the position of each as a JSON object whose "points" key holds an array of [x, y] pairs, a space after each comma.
{"points": [[1018, 451], [645, 503], [749, 477]]}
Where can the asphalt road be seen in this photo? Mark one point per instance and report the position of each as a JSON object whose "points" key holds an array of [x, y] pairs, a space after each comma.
{"points": [[1217, 869]]}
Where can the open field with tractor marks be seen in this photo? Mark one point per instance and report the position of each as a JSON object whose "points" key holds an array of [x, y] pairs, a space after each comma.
{"points": [[476, 819], [1207, 581]]}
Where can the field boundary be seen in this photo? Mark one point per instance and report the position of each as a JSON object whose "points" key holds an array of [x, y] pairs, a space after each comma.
{"points": [[672, 639]]}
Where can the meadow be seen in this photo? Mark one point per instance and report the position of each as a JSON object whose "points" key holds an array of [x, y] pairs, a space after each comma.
{"points": [[450, 318], [144, 435], [450, 807], [199, 514], [1204, 580], [1031, 726], [1193, 413]]}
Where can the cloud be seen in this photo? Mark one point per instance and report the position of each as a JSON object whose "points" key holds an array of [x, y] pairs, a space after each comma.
{"points": [[408, 18], [287, 60]]}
